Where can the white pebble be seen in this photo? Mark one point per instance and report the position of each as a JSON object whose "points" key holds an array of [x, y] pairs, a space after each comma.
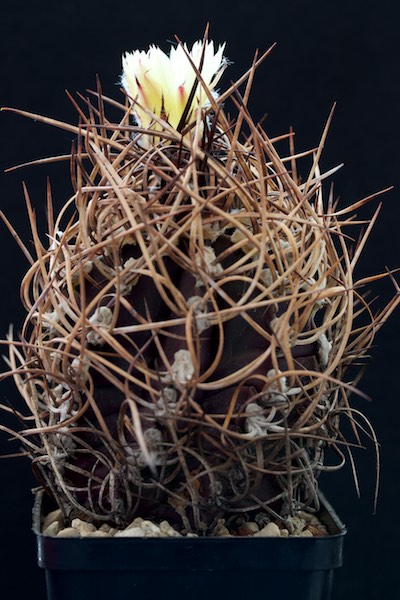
{"points": [[150, 529], [54, 516], [284, 533], [82, 526], [167, 530], [68, 532], [297, 524], [132, 532], [135, 523], [98, 533], [306, 533], [108, 529], [52, 529], [270, 530], [252, 527], [221, 529]]}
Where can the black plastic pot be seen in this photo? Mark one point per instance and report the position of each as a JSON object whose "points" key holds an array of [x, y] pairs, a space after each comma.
{"points": [[191, 569]]}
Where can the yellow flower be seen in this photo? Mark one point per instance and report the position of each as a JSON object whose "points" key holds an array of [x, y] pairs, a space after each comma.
{"points": [[163, 83]]}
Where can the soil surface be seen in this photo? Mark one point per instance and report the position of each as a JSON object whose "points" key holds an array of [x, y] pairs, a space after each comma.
{"points": [[303, 525]]}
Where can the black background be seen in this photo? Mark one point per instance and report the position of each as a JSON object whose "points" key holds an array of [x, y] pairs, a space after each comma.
{"points": [[335, 51]]}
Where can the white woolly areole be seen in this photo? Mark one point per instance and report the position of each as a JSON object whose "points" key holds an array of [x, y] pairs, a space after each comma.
{"points": [[324, 349], [166, 404], [238, 236], [130, 263], [86, 266], [280, 384], [258, 424], [212, 231], [129, 277], [154, 445], [182, 367], [101, 318], [200, 311], [207, 260], [311, 285], [266, 277], [63, 395], [279, 390], [79, 370], [49, 321]]}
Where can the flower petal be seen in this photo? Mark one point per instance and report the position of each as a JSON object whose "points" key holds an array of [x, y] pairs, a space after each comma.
{"points": [[162, 83]]}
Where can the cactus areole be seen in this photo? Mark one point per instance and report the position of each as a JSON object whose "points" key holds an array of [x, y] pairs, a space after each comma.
{"points": [[192, 319]]}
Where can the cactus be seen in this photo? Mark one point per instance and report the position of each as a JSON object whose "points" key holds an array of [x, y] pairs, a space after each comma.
{"points": [[193, 324]]}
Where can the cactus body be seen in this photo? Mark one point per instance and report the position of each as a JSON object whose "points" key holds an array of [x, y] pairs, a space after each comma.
{"points": [[190, 325]]}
